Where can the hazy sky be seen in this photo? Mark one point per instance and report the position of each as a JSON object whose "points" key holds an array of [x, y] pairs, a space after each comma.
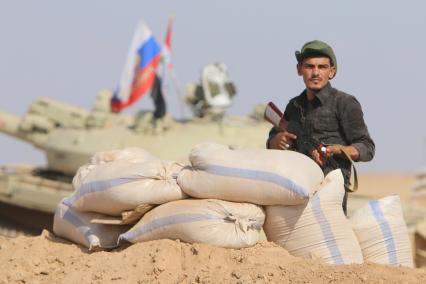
{"points": [[69, 50]]}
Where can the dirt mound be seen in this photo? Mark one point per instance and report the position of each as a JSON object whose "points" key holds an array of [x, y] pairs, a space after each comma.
{"points": [[47, 259]]}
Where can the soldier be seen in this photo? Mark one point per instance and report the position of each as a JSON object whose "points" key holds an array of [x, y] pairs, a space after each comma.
{"points": [[326, 114]]}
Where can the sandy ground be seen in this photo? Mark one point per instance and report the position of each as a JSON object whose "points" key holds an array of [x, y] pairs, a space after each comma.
{"points": [[47, 259], [380, 185]]}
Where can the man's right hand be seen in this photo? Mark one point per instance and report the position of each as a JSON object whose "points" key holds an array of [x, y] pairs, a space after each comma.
{"points": [[319, 158], [282, 141]]}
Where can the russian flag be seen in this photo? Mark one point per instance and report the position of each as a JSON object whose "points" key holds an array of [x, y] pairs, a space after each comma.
{"points": [[140, 69]]}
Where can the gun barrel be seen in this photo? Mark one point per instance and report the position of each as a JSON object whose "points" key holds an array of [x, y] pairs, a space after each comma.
{"points": [[9, 124], [20, 128]]}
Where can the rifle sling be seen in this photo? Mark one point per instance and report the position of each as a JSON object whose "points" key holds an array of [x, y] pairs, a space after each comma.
{"points": [[346, 154]]}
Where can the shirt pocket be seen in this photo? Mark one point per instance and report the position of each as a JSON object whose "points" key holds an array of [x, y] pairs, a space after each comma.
{"points": [[326, 121]]}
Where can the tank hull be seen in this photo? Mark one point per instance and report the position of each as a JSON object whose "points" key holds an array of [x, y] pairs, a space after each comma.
{"points": [[17, 220], [68, 149], [28, 198]]}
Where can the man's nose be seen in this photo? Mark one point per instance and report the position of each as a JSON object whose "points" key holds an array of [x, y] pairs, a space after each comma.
{"points": [[315, 70]]}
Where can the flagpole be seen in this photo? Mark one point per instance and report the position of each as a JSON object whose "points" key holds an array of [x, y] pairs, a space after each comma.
{"points": [[169, 66]]}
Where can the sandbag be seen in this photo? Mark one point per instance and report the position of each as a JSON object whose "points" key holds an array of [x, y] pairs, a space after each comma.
{"points": [[77, 227], [118, 186], [317, 228], [382, 232], [259, 176], [209, 221], [131, 154]]}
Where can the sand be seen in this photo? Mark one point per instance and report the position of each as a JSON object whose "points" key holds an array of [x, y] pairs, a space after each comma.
{"points": [[47, 259], [380, 185]]}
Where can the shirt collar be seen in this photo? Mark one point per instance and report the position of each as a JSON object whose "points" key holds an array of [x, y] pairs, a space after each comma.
{"points": [[321, 96], [324, 94]]}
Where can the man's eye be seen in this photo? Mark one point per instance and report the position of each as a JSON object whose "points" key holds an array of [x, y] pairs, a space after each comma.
{"points": [[323, 66]]}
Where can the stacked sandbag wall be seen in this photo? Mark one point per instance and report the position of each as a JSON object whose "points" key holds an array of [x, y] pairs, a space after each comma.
{"points": [[303, 209], [118, 183]]}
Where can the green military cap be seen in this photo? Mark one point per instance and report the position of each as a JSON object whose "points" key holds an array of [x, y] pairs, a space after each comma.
{"points": [[316, 47]]}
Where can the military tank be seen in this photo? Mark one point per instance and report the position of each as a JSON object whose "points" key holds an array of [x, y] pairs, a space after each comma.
{"points": [[70, 135]]}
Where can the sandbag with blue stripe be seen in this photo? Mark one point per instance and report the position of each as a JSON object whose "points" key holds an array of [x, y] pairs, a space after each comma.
{"points": [[259, 176], [118, 186], [130, 154], [382, 232], [318, 228], [208, 221], [77, 227]]}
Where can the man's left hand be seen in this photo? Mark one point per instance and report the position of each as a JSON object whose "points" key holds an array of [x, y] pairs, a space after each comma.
{"points": [[337, 150], [334, 150]]}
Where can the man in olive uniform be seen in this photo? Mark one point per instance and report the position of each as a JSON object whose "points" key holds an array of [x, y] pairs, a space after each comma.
{"points": [[326, 114]]}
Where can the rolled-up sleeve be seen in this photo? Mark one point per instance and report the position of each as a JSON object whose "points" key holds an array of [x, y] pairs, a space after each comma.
{"points": [[355, 129]]}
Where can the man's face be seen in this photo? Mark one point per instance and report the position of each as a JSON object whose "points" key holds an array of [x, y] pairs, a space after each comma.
{"points": [[316, 72]]}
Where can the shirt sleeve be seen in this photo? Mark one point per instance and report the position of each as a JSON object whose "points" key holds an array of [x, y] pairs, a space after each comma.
{"points": [[355, 129]]}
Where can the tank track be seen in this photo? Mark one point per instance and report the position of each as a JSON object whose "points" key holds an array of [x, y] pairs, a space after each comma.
{"points": [[16, 221], [10, 230]]}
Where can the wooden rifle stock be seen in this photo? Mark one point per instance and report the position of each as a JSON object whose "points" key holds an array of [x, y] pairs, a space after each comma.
{"points": [[274, 115]]}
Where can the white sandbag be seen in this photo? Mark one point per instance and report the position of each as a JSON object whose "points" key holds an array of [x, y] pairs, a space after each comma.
{"points": [[118, 186], [76, 227], [382, 232], [259, 176], [209, 221], [318, 228], [131, 155]]}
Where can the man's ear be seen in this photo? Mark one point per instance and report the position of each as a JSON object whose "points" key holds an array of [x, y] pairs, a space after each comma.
{"points": [[332, 73], [299, 69]]}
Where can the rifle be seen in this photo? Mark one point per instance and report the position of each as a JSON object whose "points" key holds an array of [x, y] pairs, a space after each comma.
{"points": [[305, 143]]}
